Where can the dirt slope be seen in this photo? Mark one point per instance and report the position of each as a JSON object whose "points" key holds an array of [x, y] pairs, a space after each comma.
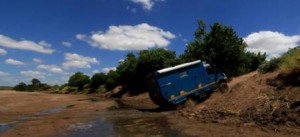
{"points": [[257, 105], [252, 99]]}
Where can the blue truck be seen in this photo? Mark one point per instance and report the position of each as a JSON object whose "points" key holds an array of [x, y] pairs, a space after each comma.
{"points": [[174, 85]]}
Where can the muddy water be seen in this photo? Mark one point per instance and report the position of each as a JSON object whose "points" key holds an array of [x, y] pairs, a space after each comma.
{"points": [[125, 122], [6, 126]]}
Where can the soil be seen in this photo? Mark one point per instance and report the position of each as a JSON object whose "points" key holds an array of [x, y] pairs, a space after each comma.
{"points": [[37, 114], [253, 104], [256, 105]]}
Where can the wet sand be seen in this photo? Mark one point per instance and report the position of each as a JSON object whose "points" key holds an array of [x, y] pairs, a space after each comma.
{"points": [[37, 114]]}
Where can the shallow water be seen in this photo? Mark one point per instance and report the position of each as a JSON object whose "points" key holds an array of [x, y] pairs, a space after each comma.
{"points": [[121, 121], [5, 126]]}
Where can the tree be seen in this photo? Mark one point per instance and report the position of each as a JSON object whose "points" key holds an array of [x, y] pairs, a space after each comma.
{"points": [[254, 60], [134, 69], [127, 69], [97, 80], [78, 80], [112, 79], [194, 50], [222, 48], [155, 59], [35, 82], [20, 87]]}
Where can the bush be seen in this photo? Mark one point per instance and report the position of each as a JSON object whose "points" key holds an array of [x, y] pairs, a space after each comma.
{"points": [[101, 89], [97, 80], [291, 61], [78, 80], [270, 66], [20, 87]]}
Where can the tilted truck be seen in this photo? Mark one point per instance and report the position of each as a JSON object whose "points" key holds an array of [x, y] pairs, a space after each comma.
{"points": [[174, 85]]}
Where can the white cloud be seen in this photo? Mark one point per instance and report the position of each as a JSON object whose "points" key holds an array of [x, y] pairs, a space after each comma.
{"points": [[33, 74], [73, 60], [66, 43], [3, 52], [125, 37], [273, 43], [42, 46], [81, 36], [6, 79], [134, 10], [14, 62], [106, 70], [147, 4], [95, 71], [36, 60], [50, 68], [4, 74]]}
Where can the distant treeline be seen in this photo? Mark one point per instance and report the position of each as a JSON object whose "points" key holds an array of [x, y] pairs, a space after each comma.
{"points": [[35, 85], [6, 88]]}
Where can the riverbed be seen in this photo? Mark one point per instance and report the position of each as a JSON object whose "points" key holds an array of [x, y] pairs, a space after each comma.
{"points": [[36, 114]]}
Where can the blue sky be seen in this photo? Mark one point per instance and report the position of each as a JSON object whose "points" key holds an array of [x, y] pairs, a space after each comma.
{"points": [[52, 39]]}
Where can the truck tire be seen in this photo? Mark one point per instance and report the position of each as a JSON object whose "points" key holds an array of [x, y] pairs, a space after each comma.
{"points": [[224, 87]]}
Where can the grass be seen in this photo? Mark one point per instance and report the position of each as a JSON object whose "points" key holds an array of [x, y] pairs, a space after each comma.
{"points": [[290, 61]]}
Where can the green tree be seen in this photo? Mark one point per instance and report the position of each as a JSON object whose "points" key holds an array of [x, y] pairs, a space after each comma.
{"points": [[78, 80], [127, 69], [20, 87], [195, 49], [155, 59], [253, 61], [97, 80], [112, 79], [134, 69], [35, 82], [223, 49]]}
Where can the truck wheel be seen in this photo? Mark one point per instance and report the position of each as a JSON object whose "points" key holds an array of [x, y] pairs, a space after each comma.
{"points": [[224, 87]]}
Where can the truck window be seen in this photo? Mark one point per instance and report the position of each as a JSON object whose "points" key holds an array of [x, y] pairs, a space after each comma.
{"points": [[183, 74]]}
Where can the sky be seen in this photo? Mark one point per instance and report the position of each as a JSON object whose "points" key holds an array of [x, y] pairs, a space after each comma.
{"points": [[52, 39]]}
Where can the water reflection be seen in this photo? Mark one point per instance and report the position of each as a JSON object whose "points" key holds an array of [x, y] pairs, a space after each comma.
{"points": [[121, 122]]}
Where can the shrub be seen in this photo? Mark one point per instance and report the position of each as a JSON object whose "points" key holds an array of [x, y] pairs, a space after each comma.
{"points": [[291, 61], [271, 65], [20, 87]]}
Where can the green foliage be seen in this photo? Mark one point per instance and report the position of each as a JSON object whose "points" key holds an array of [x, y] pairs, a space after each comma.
{"points": [[112, 79], [134, 69], [6, 88], [253, 61], [127, 69], [20, 87], [35, 86], [195, 49], [291, 61], [97, 80], [101, 89], [223, 49], [270, 66], [35, 82], [78, 80], [68, 89]]}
